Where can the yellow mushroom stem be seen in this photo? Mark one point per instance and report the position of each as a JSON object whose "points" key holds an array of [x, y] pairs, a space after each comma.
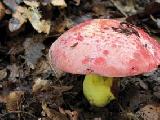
{"points": [[97, 90]]}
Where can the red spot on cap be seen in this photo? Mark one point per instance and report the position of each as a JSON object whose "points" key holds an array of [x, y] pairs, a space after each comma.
{"points": [[105, 52], [85, 61], [99, 60], [80, 37]]}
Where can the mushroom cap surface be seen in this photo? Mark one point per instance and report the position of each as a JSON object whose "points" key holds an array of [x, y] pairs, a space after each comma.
{"points": [[105, 47]]}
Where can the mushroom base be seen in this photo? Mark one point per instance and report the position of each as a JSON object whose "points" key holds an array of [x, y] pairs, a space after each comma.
{"points": [[97, 90]]}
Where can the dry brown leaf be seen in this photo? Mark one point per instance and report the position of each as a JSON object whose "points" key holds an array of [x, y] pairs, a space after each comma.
{"points": [[73, 115], [3, 74], [149, 112], [62, 89], [40, 85], [14, 100], [2, 10], [18, 19], [61, 26], [31, 3], [99, 9], [53, 114], [59, 3], [32, 14], [35, 19], [42, 67]]}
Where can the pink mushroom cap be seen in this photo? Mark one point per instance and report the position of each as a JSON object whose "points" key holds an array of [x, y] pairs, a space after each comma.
{"points": [[105, 47]]}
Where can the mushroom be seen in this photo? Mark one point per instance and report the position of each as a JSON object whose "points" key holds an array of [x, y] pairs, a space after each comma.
{"points": [[102, 49]]}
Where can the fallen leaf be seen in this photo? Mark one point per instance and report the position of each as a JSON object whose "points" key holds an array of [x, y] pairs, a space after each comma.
{"points": [[31, 3], [14, 100], [15, 24], [73, 115], [53, 114], [149, 112], [3, 74], [128, 9], [59, 3], [40, 85], [11, 4], [18, 19], [99, 9], [62, 89], [34, 17], [61, 26], [14, 72], [43, 67], [52, 94], [2, 10], [32, 14], [33, 51]]}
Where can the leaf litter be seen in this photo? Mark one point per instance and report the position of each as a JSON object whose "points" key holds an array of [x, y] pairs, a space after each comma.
{"points": [[33, 51]]}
